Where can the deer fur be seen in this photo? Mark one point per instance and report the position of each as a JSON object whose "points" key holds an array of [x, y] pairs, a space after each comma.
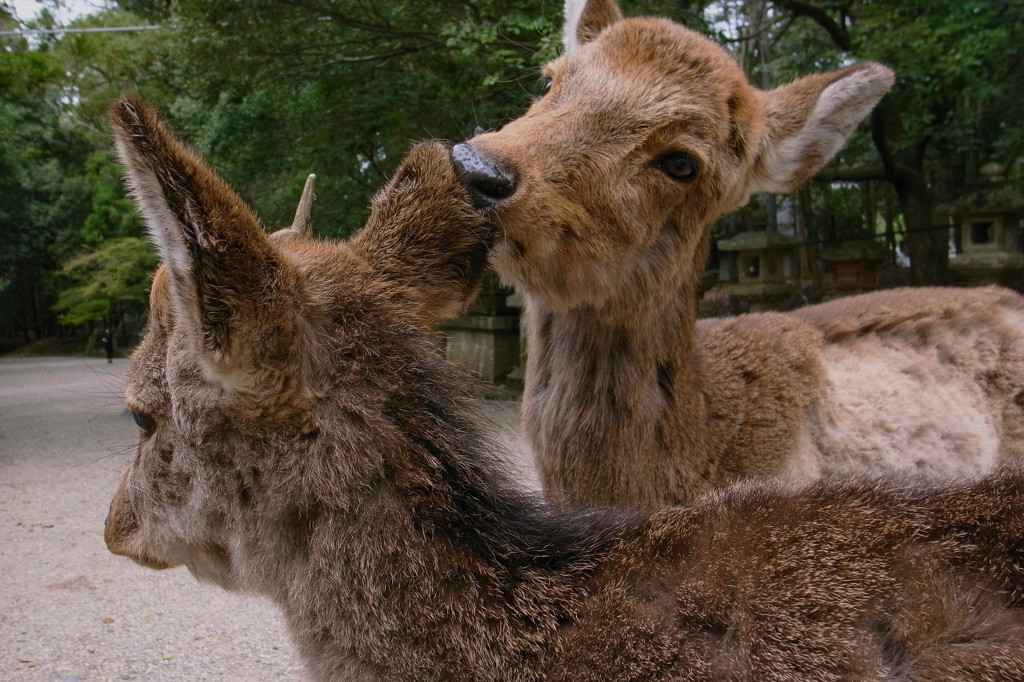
{"points": [[627, 397], [301, 439]]}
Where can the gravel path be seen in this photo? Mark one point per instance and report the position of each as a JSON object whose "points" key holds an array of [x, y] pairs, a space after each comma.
{"points": [[69, 610]]}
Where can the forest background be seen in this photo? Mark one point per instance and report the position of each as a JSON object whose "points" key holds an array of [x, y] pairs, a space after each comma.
{"points": [[272, 91]]}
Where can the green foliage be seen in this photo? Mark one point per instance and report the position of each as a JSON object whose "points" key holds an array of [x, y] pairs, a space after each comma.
{"points": [[342, 88], [112, 214], [63, 190], [100, 66], [43, 204], [104, 282], [961, 71], [503, 40], [271, 91]]}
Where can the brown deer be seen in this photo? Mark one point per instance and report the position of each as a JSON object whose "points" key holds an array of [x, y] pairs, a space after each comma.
{"points": [[603, 193], [302, 439]]}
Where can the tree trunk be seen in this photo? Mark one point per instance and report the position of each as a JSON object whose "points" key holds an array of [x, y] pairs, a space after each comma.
{"points": [[807, 231], [926, 246]]}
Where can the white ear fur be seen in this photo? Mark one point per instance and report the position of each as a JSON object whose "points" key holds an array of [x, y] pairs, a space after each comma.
{"points": [[161, 223], [224, 276], [788, 160], [573, 12], [594, 15]]}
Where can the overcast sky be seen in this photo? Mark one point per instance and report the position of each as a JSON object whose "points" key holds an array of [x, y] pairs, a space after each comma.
{"points": [[27, 9]]}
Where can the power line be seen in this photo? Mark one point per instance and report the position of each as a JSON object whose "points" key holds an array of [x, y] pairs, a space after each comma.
{"points": [[97, 29]]}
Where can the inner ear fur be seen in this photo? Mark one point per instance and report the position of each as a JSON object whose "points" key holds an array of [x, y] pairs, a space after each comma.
{"points": [[585, 19], [226, 285], [808, 120]]}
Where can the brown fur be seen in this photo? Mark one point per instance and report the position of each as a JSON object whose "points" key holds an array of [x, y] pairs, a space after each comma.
{"points": [[361, 496], [627, 398]]}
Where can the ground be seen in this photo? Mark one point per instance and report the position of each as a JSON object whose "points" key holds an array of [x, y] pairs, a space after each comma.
{"points": [[73, 611]]}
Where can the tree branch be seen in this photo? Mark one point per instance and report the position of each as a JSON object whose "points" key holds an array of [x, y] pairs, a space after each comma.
{"points": [[836, 30]]}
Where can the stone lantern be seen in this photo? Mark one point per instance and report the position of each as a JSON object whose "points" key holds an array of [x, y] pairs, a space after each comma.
{"points": [[854, 267], [989, 222], [486, 339], [759, 267]]}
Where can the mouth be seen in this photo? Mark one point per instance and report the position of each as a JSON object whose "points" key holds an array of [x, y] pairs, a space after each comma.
{"points": [[149, 562], [121, 546], [505, 244], [140, 559], [506, 250]]}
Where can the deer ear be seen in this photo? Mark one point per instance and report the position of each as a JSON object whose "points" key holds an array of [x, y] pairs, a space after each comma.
{"points": [[226, 284], [585, 19], [425, 238], [808, 120]]}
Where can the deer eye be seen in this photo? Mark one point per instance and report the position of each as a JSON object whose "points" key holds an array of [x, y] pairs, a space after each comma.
{"points": [[545, 84], [146, 423], [678, 166]]}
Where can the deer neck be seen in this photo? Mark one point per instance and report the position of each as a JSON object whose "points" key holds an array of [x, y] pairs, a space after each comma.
{"points": [[614, 396], [438, 563]]}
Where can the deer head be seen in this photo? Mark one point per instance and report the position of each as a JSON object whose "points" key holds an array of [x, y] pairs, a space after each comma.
{"points": [[646, 133], [228, 383]]}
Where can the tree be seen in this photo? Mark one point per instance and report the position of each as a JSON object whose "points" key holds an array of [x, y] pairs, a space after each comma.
{"points": [[106, 283], [279, 90], [960, 82], [38, 155]]}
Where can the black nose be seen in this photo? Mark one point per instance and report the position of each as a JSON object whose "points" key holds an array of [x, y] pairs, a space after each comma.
{"points": [[487, 184]]}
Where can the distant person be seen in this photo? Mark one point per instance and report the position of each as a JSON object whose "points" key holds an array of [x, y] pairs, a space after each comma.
{"points": [[108, 343]]}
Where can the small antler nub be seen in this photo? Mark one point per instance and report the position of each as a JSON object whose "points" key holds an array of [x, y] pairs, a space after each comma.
{"points": [[301, 224]]}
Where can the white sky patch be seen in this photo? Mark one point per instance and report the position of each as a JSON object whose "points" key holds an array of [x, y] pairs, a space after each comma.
{"points": [[68, 11]]}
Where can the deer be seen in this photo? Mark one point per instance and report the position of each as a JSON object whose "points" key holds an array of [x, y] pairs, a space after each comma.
{"points": [[301, 439], [603, 193]]}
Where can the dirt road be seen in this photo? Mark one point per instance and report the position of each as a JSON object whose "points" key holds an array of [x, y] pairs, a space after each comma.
{"points": [[69, 610]]}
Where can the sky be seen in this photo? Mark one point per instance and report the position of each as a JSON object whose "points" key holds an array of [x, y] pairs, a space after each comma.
{"points": [[71, 9]]}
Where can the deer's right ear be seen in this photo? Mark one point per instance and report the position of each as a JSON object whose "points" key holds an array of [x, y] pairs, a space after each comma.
{"points": [[227, 286], [585, 19]]}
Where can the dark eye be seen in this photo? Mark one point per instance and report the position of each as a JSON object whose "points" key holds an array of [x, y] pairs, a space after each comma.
{"points": [[545, 84], [677, 165], [146, 423]]}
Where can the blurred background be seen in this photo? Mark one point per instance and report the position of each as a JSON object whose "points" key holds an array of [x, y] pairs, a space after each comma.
{"points": [[272, 91]]}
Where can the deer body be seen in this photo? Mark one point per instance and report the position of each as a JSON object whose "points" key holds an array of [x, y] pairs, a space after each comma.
{"points": [[301, 439], [603, 193], [656, 409]]}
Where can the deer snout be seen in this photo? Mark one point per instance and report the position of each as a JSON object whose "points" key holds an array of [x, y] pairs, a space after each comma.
{"points": [[487, 184]]}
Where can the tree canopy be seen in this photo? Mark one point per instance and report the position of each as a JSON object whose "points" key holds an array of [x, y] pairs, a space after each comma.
{"points": [[272, 91]]}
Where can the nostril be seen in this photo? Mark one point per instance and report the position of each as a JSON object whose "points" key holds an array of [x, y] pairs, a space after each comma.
{"points": [[487, 184], [496, 188]]}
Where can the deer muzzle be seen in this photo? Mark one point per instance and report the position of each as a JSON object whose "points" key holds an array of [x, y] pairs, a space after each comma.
{"points": [[487, 183]]}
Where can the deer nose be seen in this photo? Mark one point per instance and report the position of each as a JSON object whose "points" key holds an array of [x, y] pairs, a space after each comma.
{"points": [[487, 184]]}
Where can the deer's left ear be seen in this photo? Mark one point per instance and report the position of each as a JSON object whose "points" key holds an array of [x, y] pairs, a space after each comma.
{"points": [[585, 19], [227, 287], [808, 121]]}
